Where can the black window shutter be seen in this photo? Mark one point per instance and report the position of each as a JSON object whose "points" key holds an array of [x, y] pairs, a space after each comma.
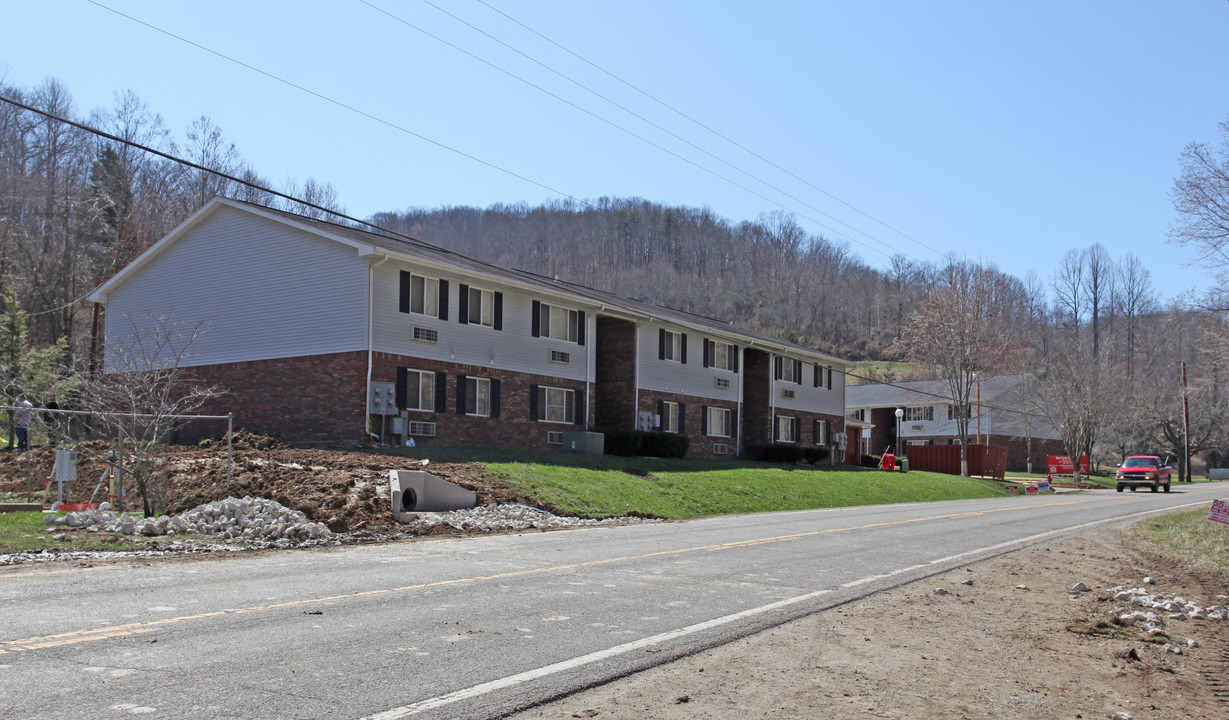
{"points": [[402, 390], [798, 371], [815, 431], [683, 345], [704, 420], [405, 291], [494, 398], [661, 413], [441, 391], [796, 427], [536, 322], [533, 396], [733, 422], [708, 344], [829, 377], [777, 367], [579, 417], [460, 394], [682, 416], [580, 327], [463, 304], [661, 343], [734, 349], [818, 379], [499, 311], [443, 299]]}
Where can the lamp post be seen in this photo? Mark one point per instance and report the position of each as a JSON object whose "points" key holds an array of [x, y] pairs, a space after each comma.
{"points": [[899, 414]]}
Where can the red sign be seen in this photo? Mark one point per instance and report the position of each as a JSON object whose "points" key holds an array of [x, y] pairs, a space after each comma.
{"points": [[1061, 465], [1220, 511], [1031, 490]]}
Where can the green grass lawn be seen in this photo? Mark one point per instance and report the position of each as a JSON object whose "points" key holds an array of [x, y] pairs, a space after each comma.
{"points": [[1190, 536], [22, 531]]}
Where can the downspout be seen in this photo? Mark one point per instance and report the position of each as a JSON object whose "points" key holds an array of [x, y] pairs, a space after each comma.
{"points": [[590, 364], [371, 301]]}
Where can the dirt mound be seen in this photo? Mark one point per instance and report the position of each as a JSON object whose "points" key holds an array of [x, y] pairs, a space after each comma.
{"points": [[344, 489]]}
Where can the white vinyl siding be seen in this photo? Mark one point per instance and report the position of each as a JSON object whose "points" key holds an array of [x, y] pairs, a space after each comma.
{"points": [[256, 289], [511, 348]]}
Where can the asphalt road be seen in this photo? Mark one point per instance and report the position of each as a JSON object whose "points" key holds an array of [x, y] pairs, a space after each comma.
{"points": [[475, 627]]}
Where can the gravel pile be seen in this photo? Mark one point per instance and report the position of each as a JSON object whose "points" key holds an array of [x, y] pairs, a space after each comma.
{"points": [[506, 516], [256, 519], [1174, 607]]}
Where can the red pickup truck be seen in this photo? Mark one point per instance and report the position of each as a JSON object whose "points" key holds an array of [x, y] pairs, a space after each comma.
{"points": [[1143, 471]]}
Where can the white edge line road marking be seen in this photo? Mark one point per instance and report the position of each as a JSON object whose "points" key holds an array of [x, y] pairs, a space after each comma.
{"points": [[576, 662], [528, 675]]}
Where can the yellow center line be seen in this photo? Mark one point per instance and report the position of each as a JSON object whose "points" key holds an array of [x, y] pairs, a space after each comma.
{"points": [[116, 631]]}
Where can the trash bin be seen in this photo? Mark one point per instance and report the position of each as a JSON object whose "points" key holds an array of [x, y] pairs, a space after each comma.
{"points": [[904, 464]]}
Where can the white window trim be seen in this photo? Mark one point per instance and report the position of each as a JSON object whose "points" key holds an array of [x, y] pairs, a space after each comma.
{"points": [[674, 346], [430, 295], [571, 322], [426, 380], [482, 306], [730, 352], [785, 425], [720, 412], [473, 394], [569, 404], [670, 417]]}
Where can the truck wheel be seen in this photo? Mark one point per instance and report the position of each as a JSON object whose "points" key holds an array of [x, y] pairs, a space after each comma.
{"points": [[1119, 488], [1132, 488], [1167, 487], [1155, 488]]}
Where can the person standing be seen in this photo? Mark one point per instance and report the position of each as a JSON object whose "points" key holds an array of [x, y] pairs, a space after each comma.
{"points": [[25, 412]]}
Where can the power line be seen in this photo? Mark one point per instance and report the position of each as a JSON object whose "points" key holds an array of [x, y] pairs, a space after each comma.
{"points": [[631, 112], [407, 131], [685, 116]]}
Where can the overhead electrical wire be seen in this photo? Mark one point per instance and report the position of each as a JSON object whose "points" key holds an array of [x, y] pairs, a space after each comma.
{"points": [[701, 124], [475, 158], [631, 112]]}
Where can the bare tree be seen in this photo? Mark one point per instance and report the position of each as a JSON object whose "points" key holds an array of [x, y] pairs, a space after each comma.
{"points": [[1076, 392], [965, 328], [144, 397], [1200, 194]]}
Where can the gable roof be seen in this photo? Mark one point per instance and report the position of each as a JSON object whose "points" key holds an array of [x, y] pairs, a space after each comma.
{"points": [[922, 392], [367, 242]]}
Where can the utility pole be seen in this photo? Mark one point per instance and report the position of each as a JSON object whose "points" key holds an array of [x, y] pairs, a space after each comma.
{"points": [[1186, 430]]}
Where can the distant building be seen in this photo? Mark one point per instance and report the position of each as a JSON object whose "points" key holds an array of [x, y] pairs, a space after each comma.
{"points": [[1003, 418], [326, 334]]}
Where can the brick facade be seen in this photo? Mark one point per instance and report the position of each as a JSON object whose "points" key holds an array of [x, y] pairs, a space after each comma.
{"points": [[691, 420], [615, 376], [513, 428], [757, 397], [806, 427], [313, 400]]}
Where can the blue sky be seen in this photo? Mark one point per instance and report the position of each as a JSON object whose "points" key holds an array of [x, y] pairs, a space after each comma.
{"points": [[1002, 132]]}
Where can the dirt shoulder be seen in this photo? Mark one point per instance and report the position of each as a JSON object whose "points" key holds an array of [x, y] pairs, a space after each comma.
{"points": [[988, 649]]}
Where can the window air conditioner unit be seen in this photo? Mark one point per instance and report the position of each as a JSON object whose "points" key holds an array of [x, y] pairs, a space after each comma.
{"points": [[423, 334], [721, 383], [559, 356], [421, 429], [554, 438], [721, 449], [787, 394]]}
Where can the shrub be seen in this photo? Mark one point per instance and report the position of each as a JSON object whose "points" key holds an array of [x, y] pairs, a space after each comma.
{"points": [[870, 461], [664, 444], [815, 455], [623, 442], [781, 452]]}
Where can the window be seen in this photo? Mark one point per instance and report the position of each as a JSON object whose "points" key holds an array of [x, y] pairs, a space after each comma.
{"points": [[423, 295], [419, 390], [481, 307], [951, 412], [821, 432], [672, 345], [720, 355], [558, 323], [669, 417], [477, 396], [554, 404], [788, 369], [859, 414], [787, 429], [919, 413], [718, 424]]}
